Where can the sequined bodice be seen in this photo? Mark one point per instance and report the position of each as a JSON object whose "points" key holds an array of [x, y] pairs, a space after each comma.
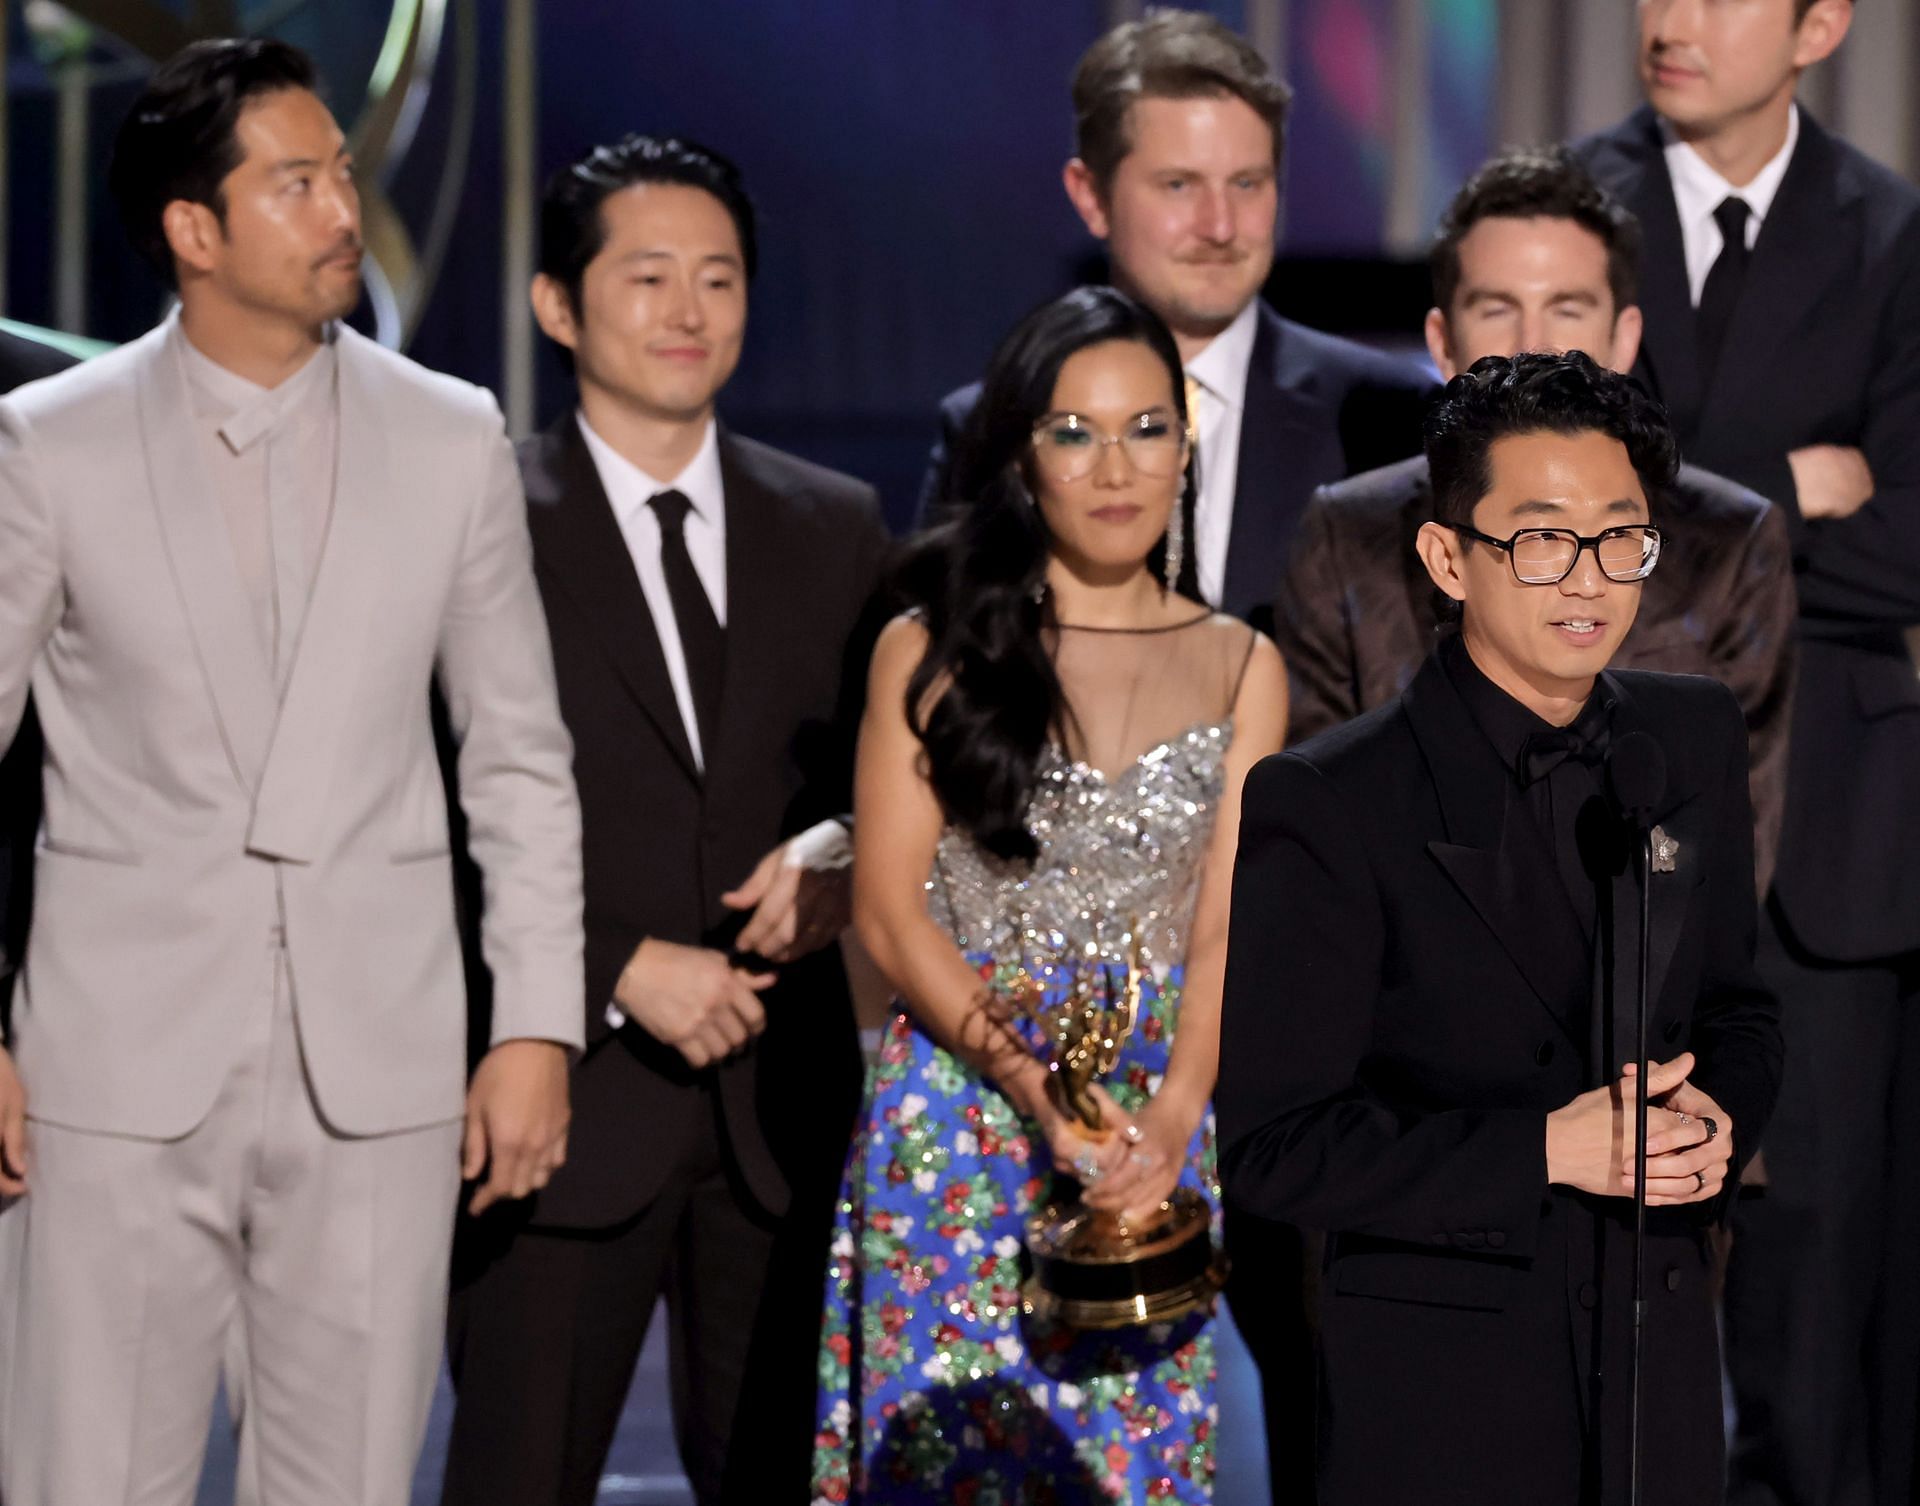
{"points": [[1117, 851]]}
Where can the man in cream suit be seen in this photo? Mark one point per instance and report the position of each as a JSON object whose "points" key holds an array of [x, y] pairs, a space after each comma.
{"points": [[233, 557]]}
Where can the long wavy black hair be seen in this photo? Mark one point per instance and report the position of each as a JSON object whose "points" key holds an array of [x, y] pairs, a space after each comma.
{"points": [[977, 578]]}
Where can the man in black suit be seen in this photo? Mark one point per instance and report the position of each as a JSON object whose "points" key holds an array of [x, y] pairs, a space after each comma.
{"points": [[703, 593], [1782, 293], [1179, 127], [1428, 1012], [21, 361], [1532, 254]]}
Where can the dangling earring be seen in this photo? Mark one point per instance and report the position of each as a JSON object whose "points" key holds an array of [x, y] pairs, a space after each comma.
{"points": [[1176, 545]]}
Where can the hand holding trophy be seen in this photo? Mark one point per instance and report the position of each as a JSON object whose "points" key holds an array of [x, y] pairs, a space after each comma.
{"points": [[1097, 1268]]}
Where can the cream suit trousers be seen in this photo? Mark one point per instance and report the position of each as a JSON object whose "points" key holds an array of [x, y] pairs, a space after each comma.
{"points": [[128, 1265]]}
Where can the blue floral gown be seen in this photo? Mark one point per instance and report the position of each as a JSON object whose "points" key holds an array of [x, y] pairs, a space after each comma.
{"points": [[934, 1387]]}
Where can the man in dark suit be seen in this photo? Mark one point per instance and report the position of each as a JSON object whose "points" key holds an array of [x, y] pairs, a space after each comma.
{"points": [[1782, 293], [21, 361], [703, 594], [1180, 126], [1428, 1015], [1533, 255]]}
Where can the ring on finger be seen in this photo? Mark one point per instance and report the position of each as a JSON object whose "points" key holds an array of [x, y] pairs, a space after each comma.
{"points": [[1087, 1164], [1699, 1181], [1712, 1124]]}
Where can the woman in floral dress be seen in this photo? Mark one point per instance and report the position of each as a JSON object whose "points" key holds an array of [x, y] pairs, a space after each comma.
{"points": [[1048, 784]]}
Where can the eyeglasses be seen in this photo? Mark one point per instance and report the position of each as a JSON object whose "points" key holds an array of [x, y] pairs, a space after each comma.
{"points": [[1067, 446], [1546, 556]]}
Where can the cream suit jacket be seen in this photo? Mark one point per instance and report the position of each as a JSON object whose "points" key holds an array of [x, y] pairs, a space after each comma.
{"points": [[194, 816]]}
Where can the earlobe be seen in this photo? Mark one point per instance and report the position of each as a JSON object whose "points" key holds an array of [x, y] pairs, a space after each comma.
{"points": [[1822, 30], [1439, 346], [553, 310], [1437, 546], [1627, 327], [1083, 192], [185, 225]]}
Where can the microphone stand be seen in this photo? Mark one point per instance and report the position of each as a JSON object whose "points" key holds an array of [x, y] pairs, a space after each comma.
{"points": [[1645, 844]]}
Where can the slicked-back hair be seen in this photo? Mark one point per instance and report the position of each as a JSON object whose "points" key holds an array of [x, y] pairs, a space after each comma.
{"points": [[572, 229], [1166, 54], [1533, 393], [1526, 183], [178, 141]]}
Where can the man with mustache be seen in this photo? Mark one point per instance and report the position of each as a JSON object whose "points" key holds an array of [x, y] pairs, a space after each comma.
{"points": [[1782, 299], [1179, 127], [235, 556]]}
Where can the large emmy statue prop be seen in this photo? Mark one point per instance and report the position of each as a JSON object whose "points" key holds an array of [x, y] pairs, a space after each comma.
{"points": [[1093, 1268]]}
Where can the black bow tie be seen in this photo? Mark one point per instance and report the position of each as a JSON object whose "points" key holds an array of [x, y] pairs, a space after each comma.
{"points": [[1543, 752]]}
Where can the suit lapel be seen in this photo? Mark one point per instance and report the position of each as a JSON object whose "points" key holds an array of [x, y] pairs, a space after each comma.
{"points": [[1283, 433], [578, 545], [200, 553], [1809, 239], [755, 602], [1669, 349], [1495, 853], [326, 667]]}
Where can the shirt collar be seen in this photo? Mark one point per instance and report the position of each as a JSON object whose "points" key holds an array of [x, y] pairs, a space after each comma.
{"points": [[1507, 724], [1698, 187], [246, 411], [629, 488], [1222, 367]]}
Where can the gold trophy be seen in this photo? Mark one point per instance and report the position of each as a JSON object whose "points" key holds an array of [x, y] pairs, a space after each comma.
{"points": [[1093, 1268]]}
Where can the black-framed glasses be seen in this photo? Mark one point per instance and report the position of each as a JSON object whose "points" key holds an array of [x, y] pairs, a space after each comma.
{"points": [[1546, 556], [1067, 446]]}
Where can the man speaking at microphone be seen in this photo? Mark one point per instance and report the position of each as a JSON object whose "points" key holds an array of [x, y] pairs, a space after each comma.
{"points": [[1431, 991]]}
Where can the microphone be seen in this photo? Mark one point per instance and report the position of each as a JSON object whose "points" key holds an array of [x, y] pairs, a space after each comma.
{"points": [[1637, 780], [1636, 777]]}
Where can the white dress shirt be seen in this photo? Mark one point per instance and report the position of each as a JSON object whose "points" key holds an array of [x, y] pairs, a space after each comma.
{"points": [[1220, 372], [1698, 190], [629, 489]]}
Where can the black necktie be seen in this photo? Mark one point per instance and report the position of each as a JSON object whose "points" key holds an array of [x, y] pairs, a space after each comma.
{"points": [[703, 642], [1721, 295]]}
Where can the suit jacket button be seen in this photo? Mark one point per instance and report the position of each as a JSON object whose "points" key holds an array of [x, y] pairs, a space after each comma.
{"points": [[1497, 1239], [1673, 1278], [1476, 1240], [1589, 1295], [1544, 1055], [1672, 1032]]}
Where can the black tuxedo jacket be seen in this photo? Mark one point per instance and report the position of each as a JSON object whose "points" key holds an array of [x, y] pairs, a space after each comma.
{"points": [[21, 361], [1358, 614], [1824, 349], [1317, 408], [1409, 992], [661, 843]]}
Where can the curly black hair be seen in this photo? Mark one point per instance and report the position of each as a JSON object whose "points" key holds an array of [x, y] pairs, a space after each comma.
{"points": [[1530, 394]]}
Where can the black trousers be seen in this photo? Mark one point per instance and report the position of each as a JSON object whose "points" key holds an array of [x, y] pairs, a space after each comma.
{"points": [[545, 1328], [1822, 1318]]}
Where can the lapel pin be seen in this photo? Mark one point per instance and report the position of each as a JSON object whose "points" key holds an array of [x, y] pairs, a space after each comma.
{"points": [[1665, 850]]}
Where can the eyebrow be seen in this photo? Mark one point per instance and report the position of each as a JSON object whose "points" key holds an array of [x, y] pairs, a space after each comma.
{"points": [[723, 258], [1475, 295], [1537, 506], [300, 164]]}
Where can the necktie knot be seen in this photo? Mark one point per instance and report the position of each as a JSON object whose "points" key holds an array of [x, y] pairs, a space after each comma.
{"points": [[1731, 216], [671, 508]]}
